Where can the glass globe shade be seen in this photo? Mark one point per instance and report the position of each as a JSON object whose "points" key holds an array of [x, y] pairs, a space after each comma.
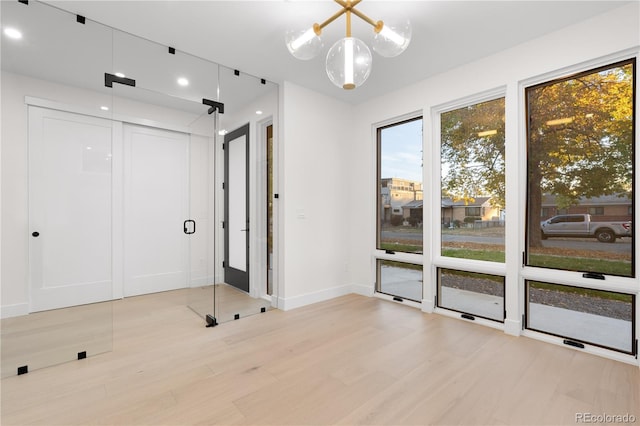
{"points": [[349, 63], [304, 44], [392, 40]]}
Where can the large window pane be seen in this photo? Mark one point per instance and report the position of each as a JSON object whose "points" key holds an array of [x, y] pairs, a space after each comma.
{"points": [[400, 200], [477, 294], [472, 179], [400, 279], [580, 169], [601, 318]]}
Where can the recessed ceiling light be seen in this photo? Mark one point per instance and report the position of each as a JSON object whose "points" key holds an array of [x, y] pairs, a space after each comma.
{"points": [[259, 112], [104, 108], [13, 33], [88, 148], [120, 75], [183, 81]]}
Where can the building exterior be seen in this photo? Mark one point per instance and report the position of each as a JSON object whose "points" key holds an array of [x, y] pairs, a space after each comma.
{"points": [[606, 207], [465, 211], [396, 193]]}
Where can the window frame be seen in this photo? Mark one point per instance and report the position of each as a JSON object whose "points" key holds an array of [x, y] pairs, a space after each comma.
{"points": [[634, 319], [377, 129], [470, 315], [389, 255], [445, 262], [574, 72]]}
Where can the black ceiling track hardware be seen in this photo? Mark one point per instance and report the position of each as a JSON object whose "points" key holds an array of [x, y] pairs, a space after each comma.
{"points": [[263, 310], [80, 19], [214, 106], [211, 321], [263, 81], [236, 317], [24, 2], [82, 355], [23, 370], [236, 72], [172, 50], [109, 79]]}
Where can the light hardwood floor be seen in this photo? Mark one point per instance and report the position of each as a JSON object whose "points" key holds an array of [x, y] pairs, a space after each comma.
{"points": [[351, 360]]}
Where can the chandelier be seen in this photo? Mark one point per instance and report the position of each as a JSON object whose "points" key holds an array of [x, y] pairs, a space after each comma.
{"points": [[349, 60]]}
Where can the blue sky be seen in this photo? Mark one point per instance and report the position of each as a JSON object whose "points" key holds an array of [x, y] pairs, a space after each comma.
{"points": [[401, 151]]}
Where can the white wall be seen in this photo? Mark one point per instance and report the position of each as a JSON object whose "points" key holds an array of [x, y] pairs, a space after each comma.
{"points": [[599, 37], [315, 177]]}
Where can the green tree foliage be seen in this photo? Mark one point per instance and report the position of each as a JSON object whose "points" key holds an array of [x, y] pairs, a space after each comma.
{"points": [[580, 139], [472, 150]]}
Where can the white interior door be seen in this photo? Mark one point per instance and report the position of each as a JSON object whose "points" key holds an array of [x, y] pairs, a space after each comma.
{"points": [[156, 249], [70, 209]]}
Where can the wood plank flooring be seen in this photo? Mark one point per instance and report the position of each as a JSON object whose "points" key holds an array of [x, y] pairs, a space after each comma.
{"points": [[351, 360]]}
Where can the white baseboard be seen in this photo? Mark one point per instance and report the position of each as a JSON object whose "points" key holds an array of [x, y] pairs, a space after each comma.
{"points": [[19, 309], [288, 303], [363, 290]]}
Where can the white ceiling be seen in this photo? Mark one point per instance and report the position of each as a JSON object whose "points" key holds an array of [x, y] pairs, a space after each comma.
{"points": [[249, 35]]}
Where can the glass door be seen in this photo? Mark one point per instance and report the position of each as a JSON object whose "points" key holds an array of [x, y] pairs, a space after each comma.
{"points": [[58, 276], [165, 98]]}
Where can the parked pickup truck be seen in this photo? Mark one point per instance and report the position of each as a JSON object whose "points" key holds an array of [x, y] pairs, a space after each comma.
{"points": [[581, 226]]}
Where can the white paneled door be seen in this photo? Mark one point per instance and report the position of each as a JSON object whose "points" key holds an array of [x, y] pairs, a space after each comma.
{"points": [[70, 205], [107, 208], [156, 205]]}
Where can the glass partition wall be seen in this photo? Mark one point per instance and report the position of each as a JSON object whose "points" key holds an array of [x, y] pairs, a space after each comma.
{"points": [[124, 174]]}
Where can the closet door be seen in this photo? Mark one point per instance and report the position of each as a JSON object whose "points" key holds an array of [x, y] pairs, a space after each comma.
{"points": [[156, 250], [70, 209]]}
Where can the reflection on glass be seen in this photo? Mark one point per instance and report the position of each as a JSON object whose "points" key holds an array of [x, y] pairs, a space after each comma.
{"points": [[400, 200], [400, 279], [580, 172], [472, 179], [68, 178], [597, 317], [480, 295]]}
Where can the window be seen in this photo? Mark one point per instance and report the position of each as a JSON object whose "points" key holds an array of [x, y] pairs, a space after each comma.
{"points": [[596, 211], [476, 294], [472, 175], [581, 315], [580, 145], [472, 211], [399, 279], [400, 187]]}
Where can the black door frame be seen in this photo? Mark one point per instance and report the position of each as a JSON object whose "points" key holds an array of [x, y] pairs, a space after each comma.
{"points": [[233, 276]]}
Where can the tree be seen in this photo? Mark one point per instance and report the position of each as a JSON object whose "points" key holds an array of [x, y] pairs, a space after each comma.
{"points": [[472, 152], [579, 143], [580, 139]]}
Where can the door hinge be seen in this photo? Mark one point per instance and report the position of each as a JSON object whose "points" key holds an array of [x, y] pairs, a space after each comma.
{"points": [[223, 147], [222, 185], [224, 264], [223, 224]]}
